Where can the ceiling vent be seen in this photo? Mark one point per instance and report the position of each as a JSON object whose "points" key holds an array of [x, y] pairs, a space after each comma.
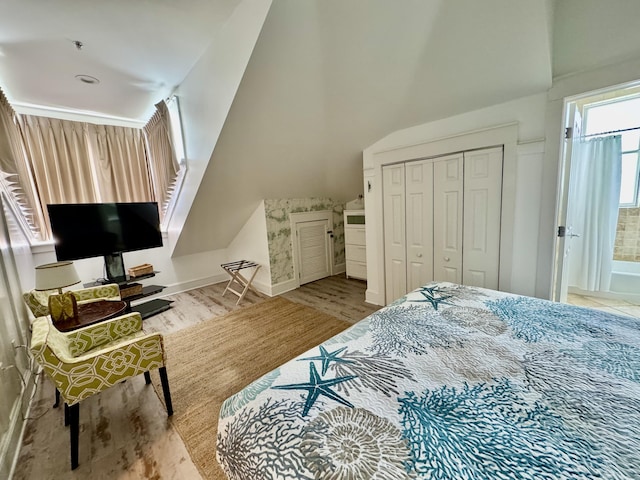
{"points": [[88, 79]]}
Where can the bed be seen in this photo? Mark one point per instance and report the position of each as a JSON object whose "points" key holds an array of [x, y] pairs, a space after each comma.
{"points": [[449, 382]]}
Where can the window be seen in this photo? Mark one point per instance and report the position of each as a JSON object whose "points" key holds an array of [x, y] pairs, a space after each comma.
{"points": [[620, 114], [176, 128]]}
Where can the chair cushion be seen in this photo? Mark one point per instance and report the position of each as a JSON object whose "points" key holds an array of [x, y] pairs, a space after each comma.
{"points": [[103, 333], [77, 378]]}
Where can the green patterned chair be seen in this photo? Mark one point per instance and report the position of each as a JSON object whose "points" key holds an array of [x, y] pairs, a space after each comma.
{"points": [[38, 301], [89, 360]]}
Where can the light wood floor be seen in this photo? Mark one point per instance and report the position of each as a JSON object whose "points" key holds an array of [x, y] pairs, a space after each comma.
{"points": [[611, 305], [124, 431]]}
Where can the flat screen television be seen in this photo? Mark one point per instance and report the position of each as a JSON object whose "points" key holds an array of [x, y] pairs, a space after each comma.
{"points": [[84, 230]]}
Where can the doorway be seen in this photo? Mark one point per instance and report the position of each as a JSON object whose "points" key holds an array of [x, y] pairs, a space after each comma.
{"points": [[312, 238], [591, 122]]}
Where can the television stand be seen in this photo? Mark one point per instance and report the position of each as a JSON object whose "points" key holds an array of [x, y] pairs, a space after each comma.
{"points": [[152, 307], [146, 309]]}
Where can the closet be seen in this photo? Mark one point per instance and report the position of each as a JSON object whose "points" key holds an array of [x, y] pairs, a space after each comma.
{"points": [[442, 221]]}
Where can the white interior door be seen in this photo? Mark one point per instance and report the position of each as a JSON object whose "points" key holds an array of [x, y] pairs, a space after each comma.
{"points": [[447, 218], [565, 230], [393, 185], [482, 210], [312, 242], [419, 223]]}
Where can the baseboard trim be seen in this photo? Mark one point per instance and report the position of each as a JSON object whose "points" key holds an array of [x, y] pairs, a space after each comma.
{"points": [[190, 285], [17, 426], [374, 298], [262, 288], [280, 288]]}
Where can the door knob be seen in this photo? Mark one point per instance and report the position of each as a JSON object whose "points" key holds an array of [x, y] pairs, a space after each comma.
{"points": [[446, 259], [419, 255]]}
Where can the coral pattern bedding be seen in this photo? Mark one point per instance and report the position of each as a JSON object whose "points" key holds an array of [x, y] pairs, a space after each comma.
{"points": [[450, 382]]}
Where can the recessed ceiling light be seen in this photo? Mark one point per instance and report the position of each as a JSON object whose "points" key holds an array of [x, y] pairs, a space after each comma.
{"points": [[88, 79]]}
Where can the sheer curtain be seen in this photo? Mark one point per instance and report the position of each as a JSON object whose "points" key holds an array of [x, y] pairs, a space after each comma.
{"points": [[594, 193]]}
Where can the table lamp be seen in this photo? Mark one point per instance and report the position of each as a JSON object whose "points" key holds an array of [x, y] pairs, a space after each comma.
{"points": [[51, 276]]}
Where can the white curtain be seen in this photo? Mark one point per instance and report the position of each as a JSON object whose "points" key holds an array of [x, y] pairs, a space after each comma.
{"points": [[594, 197]]}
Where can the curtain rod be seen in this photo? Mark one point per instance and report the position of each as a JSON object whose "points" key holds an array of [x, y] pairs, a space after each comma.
{"points": [[610, 132]]}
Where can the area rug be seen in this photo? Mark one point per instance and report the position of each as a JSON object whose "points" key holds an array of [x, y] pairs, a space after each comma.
{"points": [[213, 360]]}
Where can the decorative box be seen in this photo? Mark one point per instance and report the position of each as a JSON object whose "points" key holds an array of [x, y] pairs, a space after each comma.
{"points": [[130, 290], [138, 271]]}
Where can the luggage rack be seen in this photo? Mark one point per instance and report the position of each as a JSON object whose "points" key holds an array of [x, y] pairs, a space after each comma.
{"points": [[233, 269]]}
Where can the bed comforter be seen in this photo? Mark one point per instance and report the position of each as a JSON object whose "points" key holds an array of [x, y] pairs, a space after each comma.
{"points": [[450, 382]]}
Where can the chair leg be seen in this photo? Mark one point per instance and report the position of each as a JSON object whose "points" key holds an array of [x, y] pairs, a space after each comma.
{"points": [[147, 378], [74, 431], [57, 404], [165, 390]]}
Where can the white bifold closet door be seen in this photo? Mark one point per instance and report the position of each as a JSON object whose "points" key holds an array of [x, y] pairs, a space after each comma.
{"points": [[447, 218], [442, 221], [395, 256], [482, 213]]}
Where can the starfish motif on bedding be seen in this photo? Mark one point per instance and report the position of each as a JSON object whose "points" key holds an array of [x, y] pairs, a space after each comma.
{"points": [[316, 387], [434, 296], [328, 357]]}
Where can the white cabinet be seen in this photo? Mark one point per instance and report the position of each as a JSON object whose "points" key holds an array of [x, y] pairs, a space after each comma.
{"points": [[442, 221], [354, 239]]}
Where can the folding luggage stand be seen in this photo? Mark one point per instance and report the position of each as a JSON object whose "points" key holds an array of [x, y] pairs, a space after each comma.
{"points": [[233, 269]]}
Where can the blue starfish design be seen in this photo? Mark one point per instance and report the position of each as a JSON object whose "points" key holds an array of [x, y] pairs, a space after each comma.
{"points": [[328, 357], [434, 296], [317, 387]]}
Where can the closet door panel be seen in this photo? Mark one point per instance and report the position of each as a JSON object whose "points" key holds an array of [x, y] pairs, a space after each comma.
{"points": [[482, 210], [419, 223], [393, 184], [447, 218]]}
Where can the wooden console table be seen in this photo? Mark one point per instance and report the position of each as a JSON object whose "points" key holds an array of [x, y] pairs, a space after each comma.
{"points": [[93, 312]]}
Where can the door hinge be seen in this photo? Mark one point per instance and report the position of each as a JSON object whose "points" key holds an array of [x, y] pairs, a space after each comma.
{"points": [[562, 230], [568, 133]]}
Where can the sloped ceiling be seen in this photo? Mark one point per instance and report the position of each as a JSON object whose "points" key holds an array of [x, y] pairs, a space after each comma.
{"points": [[327, 78]]}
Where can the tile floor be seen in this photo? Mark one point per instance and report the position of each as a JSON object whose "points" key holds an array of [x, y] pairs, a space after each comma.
{"points": [[605, 304]]}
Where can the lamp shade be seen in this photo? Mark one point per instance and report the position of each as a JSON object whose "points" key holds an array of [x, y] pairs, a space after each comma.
{"points": [[56, 276]]}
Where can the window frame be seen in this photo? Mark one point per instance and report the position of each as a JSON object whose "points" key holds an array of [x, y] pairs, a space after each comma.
{"points": [[585, 119]]}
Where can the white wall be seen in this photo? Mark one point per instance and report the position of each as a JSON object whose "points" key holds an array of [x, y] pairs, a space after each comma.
{"points": [[251, 244], [519, 125], [14, 330], [596, 45], [567, 87], [206, 96], [176, 273], [592, 33]]}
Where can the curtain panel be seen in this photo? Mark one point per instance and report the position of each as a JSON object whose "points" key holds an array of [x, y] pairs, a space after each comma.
{"points": [[16, 175], [163, 163], [47, 160], [121, 166], [594, 187], [78, 162]]}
